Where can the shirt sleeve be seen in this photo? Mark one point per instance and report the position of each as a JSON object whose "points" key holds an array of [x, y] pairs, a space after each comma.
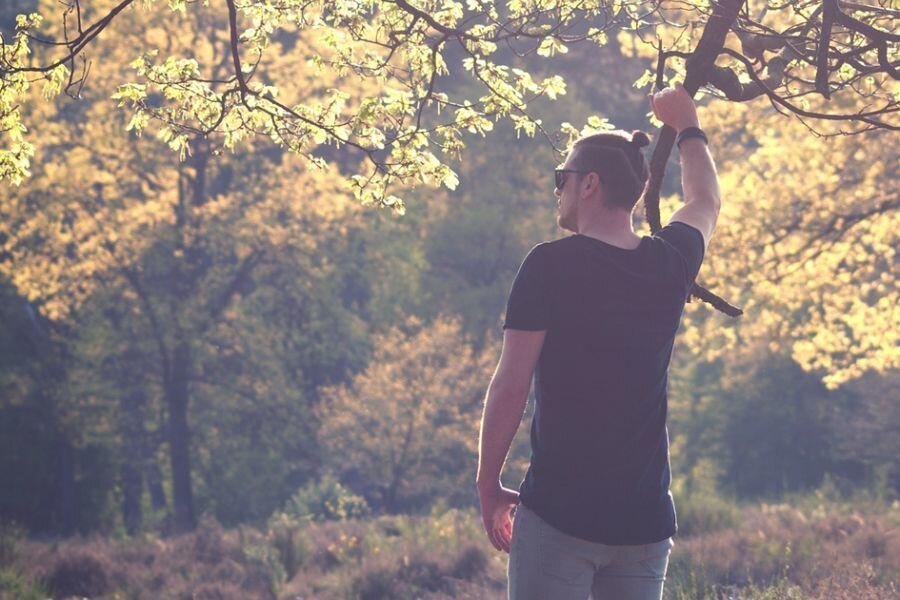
{"points": [[529, 304], [688, 244]]}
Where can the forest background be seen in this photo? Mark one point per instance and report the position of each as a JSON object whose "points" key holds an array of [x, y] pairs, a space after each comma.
{"points": [[230, 336]]}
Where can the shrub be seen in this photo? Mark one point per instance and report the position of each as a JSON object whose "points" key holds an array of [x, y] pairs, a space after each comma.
{"points": [[325, 500], [11, 536], [292, 547], [423, 574], [705, 511], [263, 568], [376, 585], [471, 563], [16, 587], [77, 573], [209, 545], [410, 580], [216, 591]]}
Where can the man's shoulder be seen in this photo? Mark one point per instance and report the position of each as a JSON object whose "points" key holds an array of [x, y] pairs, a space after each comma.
{"points": [[554, 247], [685, 242], [678, 233], [685, 238], [547, 255]]}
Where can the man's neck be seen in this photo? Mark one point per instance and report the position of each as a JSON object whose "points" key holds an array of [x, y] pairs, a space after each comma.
{"points": [[613, 227]]}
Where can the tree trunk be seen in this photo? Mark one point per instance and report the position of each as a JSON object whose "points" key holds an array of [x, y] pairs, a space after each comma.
{"points": [[132, 488], [179, 439], [66, 497], [131, 405]]}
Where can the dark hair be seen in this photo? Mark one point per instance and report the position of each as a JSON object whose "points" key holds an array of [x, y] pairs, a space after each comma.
{"points": [[617, 158]]}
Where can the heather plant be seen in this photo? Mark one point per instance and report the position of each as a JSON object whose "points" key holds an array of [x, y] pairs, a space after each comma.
{"points": [[77, 573], [408, 580], [804, 551], [392, 556], [821, 553], [211, 563]]}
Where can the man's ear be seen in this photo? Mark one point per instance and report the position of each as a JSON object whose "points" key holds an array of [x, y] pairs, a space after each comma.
{"points": [[590, 183]]}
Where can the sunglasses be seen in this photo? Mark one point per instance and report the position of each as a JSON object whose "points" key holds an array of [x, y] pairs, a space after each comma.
{"points": [[560, 175]]}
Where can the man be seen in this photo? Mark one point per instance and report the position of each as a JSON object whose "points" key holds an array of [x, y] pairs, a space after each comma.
{"points": [[593, 317]]}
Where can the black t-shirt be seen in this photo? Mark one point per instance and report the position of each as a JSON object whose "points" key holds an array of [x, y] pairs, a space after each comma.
{"points": [[600, 452]]}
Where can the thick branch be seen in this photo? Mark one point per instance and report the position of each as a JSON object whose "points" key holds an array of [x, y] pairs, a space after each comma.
{"points": [[239, 280], [865, 116], [432, 22], [858, 26], [235, 51], [822, 73], [132, 277], [698, 67]]}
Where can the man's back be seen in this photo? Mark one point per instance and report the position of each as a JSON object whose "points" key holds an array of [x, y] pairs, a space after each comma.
{"points": [[599, 468]]}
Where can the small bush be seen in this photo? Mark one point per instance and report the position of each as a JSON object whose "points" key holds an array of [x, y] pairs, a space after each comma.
{"points": [[471, 563], [16, 587], [215, 591], [378, 585], [209, 545], [325, 500], [77, 573], [262, 566], [411, 580], [292, 546], [11, 536], [422, 574], [876, 544], [701, 512]]}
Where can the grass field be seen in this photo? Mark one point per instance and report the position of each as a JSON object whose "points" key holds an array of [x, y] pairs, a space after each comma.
{"points": [[808, 549]]}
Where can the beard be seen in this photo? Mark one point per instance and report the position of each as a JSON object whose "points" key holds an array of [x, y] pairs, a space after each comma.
{"points": [[567, 220]]}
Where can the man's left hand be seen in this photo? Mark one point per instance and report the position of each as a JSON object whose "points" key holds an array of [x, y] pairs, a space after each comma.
{"points": [[496, 508]]}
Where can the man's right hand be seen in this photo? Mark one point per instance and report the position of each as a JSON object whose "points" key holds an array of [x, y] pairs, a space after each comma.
{"points": [[674, 107], [497, 503]]}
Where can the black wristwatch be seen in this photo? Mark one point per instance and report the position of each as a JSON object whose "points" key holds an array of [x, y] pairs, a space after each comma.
{"points": [[688, 133]]}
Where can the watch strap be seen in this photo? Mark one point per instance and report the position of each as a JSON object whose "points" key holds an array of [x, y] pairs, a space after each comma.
{"points": [[690, 132]]}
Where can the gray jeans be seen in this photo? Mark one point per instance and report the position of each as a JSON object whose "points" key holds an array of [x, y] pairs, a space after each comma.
{"points": [[546, 564]]}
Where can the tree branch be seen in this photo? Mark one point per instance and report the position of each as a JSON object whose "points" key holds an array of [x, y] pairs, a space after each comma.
{"points": [[699, 65], [822, 73], [76, 45]]}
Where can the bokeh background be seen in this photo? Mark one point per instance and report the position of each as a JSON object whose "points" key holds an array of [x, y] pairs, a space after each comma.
{"points": [[223, 377]]}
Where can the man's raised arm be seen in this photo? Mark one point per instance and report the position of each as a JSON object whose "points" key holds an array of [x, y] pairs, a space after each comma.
{"points": [[675, 108]]}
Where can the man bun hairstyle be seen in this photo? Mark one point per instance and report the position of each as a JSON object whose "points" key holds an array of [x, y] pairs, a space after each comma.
{"points": [[619, 161], [639, 138]]}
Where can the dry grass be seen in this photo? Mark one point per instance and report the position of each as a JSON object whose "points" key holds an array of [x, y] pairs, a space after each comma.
{"points": [[773, 553], [792, 553]]}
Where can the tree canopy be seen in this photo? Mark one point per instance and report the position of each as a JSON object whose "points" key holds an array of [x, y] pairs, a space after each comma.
{"points": [[393, 110], [379, 96]]}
